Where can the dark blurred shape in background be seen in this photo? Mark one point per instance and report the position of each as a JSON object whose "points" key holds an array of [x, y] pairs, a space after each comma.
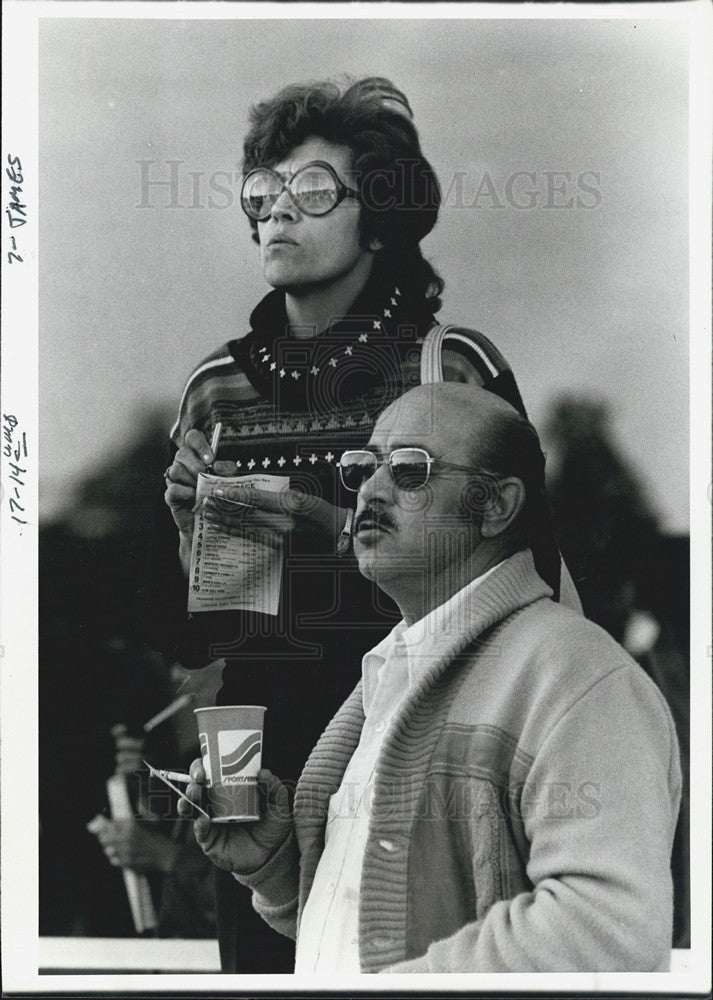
{"points": [[633, 579], [95, 671]]}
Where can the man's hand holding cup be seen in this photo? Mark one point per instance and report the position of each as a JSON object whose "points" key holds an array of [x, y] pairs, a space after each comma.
{"points": [[241, 847]]}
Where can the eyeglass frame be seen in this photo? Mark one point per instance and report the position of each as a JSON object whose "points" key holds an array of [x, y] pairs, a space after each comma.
{"points": [[342, 190], [387, 460]]}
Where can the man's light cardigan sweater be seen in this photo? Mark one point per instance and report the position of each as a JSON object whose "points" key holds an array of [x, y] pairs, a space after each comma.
{"points": [[524, 804]]}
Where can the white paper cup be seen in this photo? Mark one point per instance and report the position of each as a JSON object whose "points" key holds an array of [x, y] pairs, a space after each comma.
{"points": [[231, 748]]}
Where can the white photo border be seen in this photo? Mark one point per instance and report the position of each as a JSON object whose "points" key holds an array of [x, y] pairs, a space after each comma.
{"points": [[20, 946]]}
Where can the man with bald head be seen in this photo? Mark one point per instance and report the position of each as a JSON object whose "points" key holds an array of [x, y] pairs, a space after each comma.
{"points": [[500, 791], [422, 543]]}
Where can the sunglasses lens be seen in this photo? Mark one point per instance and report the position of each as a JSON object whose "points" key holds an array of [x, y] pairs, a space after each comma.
{"points": [[261, 190], [355, 468], [314, 190], [409, 467]]}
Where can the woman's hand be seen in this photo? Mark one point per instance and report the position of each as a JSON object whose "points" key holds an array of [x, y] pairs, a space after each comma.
{"points": [[246, 511], [242, 847], [193, 457]]}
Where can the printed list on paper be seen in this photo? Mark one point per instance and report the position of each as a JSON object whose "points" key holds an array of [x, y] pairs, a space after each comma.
{"points": [[230, 573]]}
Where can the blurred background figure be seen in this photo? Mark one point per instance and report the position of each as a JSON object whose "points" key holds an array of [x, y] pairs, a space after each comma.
{"points": [[155, 841], [632, 579], [94, 671]]}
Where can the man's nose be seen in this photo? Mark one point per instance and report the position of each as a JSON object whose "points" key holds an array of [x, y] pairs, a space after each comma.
{"points": [[378, 487]]}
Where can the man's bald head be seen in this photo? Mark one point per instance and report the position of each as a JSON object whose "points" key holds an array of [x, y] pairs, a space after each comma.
{"points": [[489, 433], [496, 436], [460, 395]]}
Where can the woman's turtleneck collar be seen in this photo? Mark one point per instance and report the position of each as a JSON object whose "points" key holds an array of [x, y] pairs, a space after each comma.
{"points": [[294, 371], [269, 321]]}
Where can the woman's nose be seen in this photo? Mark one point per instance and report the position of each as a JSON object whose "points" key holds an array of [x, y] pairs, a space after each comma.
{"points": [[284, 207]]}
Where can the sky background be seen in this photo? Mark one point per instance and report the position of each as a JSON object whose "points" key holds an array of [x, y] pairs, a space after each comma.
{"points": [[591, 298]]}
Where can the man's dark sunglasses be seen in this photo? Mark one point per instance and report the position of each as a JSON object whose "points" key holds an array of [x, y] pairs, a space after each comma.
{"points": [[410, 468], [315, 189]]}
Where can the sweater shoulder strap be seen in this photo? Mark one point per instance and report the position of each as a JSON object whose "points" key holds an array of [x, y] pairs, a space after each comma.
{"points": [[490, 369], [483, 354]]}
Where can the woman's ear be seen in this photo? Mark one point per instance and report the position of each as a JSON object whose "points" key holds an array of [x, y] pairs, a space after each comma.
{"points": [[504, 507]]}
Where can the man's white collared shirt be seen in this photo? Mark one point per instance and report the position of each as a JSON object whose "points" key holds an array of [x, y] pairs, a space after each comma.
{"points": [[328, 940]]}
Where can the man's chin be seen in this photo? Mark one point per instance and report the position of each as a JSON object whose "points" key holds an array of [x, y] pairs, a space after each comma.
{"points": [[373, 564], [365, 559]]}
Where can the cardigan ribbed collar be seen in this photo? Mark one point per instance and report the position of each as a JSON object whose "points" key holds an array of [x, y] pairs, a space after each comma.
{"points": [[512, 586], [419, 639]]}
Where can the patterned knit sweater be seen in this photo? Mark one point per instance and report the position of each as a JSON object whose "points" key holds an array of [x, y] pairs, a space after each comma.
{"points": [[524, 803]]}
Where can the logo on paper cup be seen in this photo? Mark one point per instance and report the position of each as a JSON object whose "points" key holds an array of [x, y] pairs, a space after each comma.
{"points": [[206, 758], [239, 751]]}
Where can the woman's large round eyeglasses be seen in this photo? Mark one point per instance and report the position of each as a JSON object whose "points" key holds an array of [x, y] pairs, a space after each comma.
{"points": [[315, 189], [410, 468]]}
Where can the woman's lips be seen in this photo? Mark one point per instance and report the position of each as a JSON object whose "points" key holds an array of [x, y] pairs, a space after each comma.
{"points": [[281, 241]]}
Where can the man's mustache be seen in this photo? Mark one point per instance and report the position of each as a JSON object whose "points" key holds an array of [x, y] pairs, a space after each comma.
{"points": [[379, 517]]}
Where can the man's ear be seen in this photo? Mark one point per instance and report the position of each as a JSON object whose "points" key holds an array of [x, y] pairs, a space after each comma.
{"points": [[504, 508]]}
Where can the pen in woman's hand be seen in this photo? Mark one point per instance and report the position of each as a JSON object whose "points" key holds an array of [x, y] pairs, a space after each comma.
{"points": [[214, 443]]}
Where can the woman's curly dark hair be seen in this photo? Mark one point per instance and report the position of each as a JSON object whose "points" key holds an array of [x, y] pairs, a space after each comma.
{"points": [[400, 193]]}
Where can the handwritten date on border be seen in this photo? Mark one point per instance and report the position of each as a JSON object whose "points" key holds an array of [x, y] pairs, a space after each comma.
{"points": [[14, 448]]}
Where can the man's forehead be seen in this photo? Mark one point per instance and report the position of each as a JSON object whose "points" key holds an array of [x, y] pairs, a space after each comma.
{"points": [[403, 427], [416, 423], [445, 416]]}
